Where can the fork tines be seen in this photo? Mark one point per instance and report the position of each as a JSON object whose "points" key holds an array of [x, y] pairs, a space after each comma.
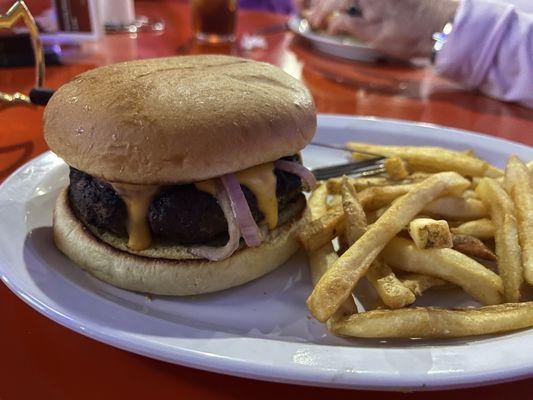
{"points": [[372, 166]]}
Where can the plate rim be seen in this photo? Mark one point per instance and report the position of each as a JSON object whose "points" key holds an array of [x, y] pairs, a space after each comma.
{"points": [[242, 368], [329, 39], [324, 43]]}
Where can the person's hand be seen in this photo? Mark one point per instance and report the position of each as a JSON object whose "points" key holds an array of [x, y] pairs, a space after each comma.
{"points": [[302, 5], [401, 28]]}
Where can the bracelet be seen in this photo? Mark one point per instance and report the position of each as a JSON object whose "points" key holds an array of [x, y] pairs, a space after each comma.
{"points": [[440, 39]]}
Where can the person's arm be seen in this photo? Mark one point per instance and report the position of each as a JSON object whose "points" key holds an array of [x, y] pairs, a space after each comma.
{"points": [[491, 48], [522, 5]]}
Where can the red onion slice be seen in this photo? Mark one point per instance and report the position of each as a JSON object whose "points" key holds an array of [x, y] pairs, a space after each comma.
{"points": [[295, 168], [220, 253], [249, 229]]}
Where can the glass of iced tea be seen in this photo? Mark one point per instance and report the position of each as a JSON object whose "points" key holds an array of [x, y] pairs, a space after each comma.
{"points": [[214, 21]]}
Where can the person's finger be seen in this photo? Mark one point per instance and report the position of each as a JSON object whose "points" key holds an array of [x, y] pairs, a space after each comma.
{"points": [[355, 26], [316, 13], [374, 10], [323, 9], [302, 5], [299, 4]]}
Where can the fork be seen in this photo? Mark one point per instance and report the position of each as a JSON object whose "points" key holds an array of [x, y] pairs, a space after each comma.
{"points": [[372, 166], [368, 167]]}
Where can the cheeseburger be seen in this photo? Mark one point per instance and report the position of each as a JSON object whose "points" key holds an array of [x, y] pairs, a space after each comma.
{"points": [[185, 174]]}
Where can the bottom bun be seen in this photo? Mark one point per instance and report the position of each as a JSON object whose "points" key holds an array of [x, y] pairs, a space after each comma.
{"points": [[165, 276]]}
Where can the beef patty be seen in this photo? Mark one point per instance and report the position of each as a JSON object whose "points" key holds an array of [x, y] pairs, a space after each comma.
{"points": [[180, 213]]}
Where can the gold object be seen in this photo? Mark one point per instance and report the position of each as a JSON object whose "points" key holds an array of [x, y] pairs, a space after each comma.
{"points": [[19, 10]]}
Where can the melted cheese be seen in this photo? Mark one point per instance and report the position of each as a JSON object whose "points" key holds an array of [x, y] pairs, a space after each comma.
{"points": [[261, 180], [137, 199], [207, 186]]}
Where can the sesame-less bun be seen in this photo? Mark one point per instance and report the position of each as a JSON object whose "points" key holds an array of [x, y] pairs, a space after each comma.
{"points": [[166, 276], [178, 120]]}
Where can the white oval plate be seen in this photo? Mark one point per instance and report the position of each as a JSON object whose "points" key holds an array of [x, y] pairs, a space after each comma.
{"points": [[339, 46], [262, 329]]}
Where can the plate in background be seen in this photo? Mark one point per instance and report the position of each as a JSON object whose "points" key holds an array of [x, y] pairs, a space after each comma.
{"points": [[340, 46]]}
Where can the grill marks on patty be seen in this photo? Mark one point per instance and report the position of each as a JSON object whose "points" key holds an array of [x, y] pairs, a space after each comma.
{"points": [[96, 202], [188, 215], [180, 213]]}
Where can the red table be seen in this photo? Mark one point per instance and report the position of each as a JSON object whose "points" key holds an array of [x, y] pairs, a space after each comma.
{"points": [[41, 359]]}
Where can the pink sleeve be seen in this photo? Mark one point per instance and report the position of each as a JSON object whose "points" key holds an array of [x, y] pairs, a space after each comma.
{"points": [[491, 49]]}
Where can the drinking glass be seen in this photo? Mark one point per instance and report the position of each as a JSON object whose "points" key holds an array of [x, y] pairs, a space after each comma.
{"points": [[214, 21]]}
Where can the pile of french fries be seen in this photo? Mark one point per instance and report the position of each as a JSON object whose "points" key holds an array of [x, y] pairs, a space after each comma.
{"points": [[437, 218]]}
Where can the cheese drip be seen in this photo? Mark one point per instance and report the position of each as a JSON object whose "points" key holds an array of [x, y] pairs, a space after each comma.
{"points": [[261, 180], [137, 199]]}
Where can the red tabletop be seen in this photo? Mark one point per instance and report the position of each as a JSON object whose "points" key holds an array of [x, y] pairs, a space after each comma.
{"points": [[41, 359]]}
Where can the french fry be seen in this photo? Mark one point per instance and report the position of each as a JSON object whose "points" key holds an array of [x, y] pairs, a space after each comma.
{"points": [[317, 203], [510, 257], [334, 184], [390, 202], [335, 203], [396, 168], [506, 236], [378, 213], [320, 260], [476, 180], [435, 322], [354, 213], [447, 264], [469, 194], [529, 167], [390, 289], [419, 283], [339, 280], [418, 176], [316, 219], [519, 187], [343, 244], [429, 233], [480, 228], [450, 207], [428, 158], [374, 198], [457, 208], [473, 247], [493, 172], [317, 233], [362, 156]]}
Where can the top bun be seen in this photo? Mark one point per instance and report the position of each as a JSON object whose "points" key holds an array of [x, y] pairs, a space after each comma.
{"points": [[178, 119]]}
